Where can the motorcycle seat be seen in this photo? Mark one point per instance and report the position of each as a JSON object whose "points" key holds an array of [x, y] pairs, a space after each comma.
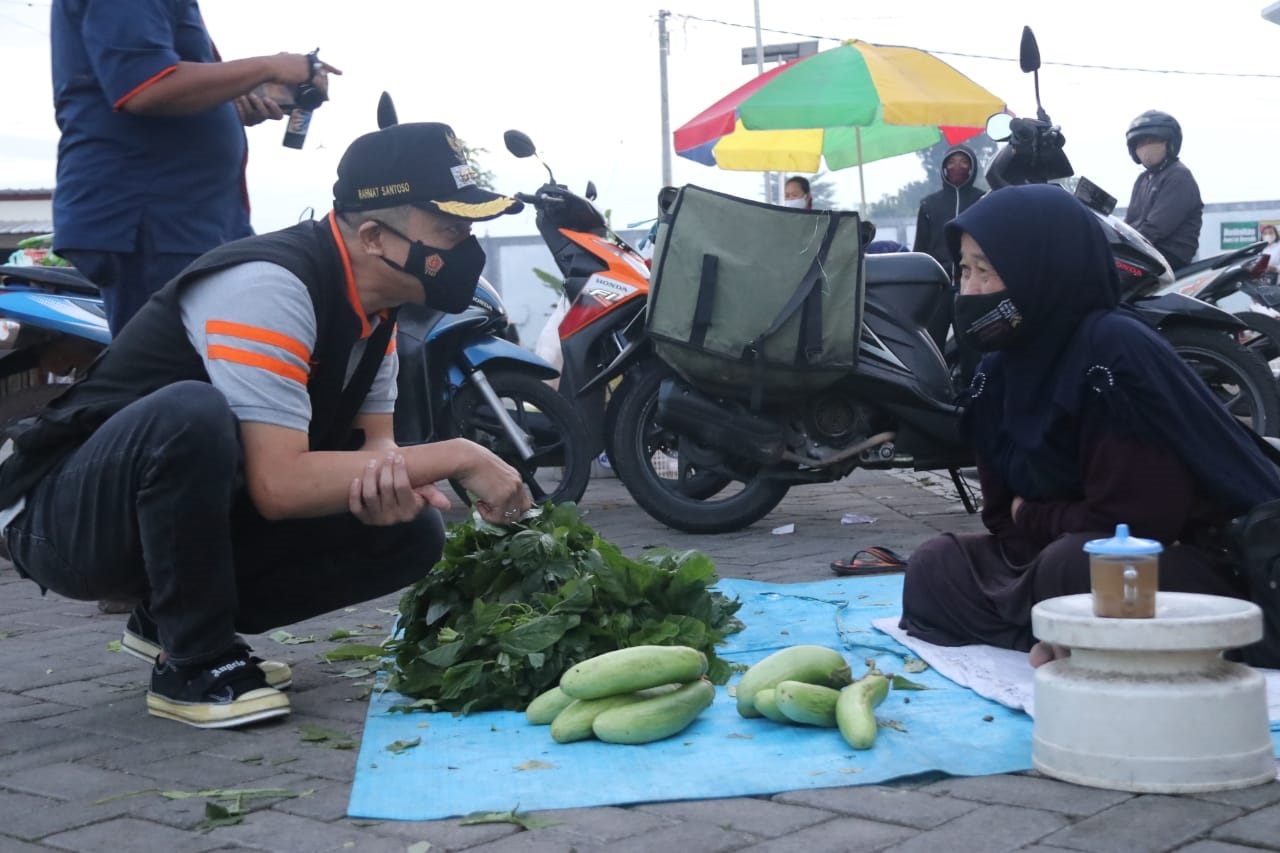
{"points": [[1215, 261], [903, 268], [61, 278]]}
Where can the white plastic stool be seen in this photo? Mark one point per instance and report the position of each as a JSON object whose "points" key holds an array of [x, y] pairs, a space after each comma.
{"points": [[1149, 705]]}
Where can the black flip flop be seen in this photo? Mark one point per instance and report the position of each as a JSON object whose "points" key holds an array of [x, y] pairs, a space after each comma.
{"points": [[870, 561]]}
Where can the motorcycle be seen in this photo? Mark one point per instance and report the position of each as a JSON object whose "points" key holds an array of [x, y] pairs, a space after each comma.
{"points": [[606, 286], [1206, 336], [694, 461]]}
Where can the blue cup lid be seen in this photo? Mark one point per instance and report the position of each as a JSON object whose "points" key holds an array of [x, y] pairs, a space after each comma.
{"points": [[1123, 544]]}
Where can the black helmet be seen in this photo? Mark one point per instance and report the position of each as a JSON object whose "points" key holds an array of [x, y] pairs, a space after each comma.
{"points": [[1158, 124]]}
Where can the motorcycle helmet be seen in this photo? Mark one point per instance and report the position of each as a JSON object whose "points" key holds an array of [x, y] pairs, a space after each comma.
{"points": [[1158, 124]]}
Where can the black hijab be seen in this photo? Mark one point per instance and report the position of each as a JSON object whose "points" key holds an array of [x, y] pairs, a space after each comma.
{"points": [[1078, 350]]}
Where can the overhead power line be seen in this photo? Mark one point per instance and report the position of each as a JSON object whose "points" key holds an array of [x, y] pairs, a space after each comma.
{"points": [[1177, 71]]}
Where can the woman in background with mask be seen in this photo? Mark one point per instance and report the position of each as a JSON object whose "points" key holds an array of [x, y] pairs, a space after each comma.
{"points": [[1081, 417], [797, 193], [1268, 233]]}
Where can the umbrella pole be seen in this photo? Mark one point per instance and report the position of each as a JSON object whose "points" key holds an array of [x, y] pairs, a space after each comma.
{"points": [[862, 186]]}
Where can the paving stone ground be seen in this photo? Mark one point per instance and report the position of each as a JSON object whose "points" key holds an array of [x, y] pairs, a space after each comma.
{"points": [[82, 765]]}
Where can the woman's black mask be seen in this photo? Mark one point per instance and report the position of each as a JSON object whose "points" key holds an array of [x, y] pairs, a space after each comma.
{"points": [[448, 276], [988, 321]]}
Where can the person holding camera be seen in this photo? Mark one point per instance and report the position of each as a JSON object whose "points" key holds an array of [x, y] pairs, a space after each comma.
{"points": [[230, 462], [151, 159]]}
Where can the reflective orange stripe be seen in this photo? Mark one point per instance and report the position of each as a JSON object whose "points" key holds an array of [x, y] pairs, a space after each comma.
{"points": [[391, 344], [293, 346], [253, 359], [144, 84]]}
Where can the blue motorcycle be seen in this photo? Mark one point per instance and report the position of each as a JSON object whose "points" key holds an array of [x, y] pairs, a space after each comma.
{"points": [[460, 377]]}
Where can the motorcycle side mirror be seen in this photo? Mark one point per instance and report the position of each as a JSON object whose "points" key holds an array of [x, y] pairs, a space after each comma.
{"points": [[1029, 52], [1000, 127], [386, 112], [519, 144], [591, 191], [1029, 60]]}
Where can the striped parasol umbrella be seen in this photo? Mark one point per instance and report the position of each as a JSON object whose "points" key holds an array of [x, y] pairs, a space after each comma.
{"points": [[846, 106]]}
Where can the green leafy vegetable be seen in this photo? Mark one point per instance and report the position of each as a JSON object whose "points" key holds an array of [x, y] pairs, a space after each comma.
{"points": [[508, 609]]}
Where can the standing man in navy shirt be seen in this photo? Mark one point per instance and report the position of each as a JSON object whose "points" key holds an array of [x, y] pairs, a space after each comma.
{"points": [[152, 157]]}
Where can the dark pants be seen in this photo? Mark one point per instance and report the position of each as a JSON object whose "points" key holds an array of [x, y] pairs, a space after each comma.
{"points": [[150, 508], [961, 589], [126, 280]]}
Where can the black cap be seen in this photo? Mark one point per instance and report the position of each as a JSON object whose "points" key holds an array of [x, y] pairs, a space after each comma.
{"points": [[421, 164]]}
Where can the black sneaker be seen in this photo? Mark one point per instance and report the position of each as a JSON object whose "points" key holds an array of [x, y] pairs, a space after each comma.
{"points": [[230, 691], [142, 640]]}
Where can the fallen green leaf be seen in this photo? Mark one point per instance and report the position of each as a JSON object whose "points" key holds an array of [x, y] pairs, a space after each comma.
{"points": [[253, 759], [419, 847], [216, 816], [901, 682], [326, 737], [287, 639], [401, 745], [518, 818], [354, 651], [535, 765], [910, 664], [113, 646]]}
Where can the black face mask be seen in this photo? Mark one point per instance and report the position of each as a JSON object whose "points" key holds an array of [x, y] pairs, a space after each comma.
{"points": [[448, 276], [988, 321]]}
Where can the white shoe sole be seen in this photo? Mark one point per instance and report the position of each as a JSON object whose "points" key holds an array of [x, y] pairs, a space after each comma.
{"points": [[265, 703]]}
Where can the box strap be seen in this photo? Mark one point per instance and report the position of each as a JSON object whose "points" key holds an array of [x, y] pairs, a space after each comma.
{"points": [[807, 295]]}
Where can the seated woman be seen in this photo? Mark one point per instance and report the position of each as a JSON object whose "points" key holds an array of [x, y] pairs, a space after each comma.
{"points": [[1081, 417]]}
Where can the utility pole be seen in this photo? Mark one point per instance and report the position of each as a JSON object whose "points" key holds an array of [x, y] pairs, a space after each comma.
{"points": [[664, 47], [768, 178]]}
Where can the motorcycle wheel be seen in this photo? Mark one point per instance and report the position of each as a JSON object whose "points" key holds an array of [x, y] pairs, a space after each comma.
{"points": [[648, 461], [696, 484], [1239, 378], [1262, 337], [560, 467]]}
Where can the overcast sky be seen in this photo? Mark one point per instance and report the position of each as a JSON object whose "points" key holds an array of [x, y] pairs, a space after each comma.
{"points": [[581, 77]]}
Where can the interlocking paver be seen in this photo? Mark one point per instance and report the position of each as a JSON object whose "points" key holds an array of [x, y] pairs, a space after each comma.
{"points": [[1260, 829], [761, 817], [107, 837], [1032, 791], [1146, 823], [990, 829], [880, 803], [838, 835]]}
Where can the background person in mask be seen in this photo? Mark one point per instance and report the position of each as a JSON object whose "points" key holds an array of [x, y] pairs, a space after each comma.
{"points": [[796, 193], [1081, 417], [1268, 233], [229, 463], [958, 194], [1165, 205]]}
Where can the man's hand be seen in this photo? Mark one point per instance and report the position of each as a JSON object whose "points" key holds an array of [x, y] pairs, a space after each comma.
{"points": [[253, 109], [383, 496], [294, 68], [501, 496]]}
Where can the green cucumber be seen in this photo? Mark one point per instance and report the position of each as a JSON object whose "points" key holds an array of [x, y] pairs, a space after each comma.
{"points": [[545, 706], [767, 704], [811, 704], [630, 669], [810, 664], [854, 710], [657, 717]]}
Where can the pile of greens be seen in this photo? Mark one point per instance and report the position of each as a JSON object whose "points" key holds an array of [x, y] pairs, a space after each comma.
{"points": [[508, 609]]}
